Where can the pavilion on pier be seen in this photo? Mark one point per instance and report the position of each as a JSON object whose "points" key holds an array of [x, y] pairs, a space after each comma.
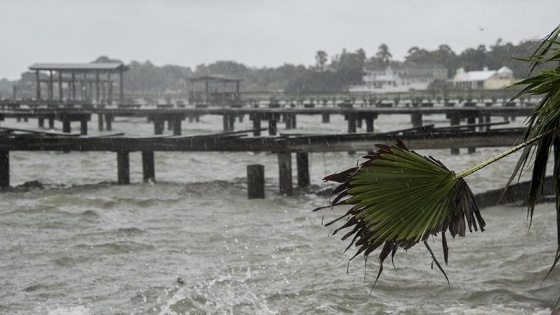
{"points": [[83, 81], [214, 89]]}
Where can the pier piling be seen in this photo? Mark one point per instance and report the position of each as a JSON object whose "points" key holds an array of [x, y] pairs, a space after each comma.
{"points": [[285, 173], [123, 168], [302, 161], [148, 166]]}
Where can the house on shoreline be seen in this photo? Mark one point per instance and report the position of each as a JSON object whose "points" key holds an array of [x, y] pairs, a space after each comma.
{"points": [[400, 78], [485, 79]]}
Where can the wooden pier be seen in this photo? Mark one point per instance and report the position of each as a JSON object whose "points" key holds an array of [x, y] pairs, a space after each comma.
{"points": [[67, 113], [284, 146]]}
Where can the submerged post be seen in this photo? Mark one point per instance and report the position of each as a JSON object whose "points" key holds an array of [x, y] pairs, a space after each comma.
{"points": [[123, 168], [255, 181], [148, 166], [4, 168]]}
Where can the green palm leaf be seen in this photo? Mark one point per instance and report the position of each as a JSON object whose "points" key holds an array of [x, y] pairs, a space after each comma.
{"points": [[544, 122], [399, 198]]}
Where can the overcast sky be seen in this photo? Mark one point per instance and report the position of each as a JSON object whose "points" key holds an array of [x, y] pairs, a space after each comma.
{"points": [[256, 33]]}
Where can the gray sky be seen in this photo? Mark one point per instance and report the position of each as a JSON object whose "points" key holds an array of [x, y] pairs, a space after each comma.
{"points": [[256, 33]]}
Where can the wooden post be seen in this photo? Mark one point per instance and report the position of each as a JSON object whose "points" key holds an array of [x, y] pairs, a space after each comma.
{"points": [[326, 118], [83, 126], [207, 93], [351, 116], [177, 125], [285, 173], [302, 161], [158, 125], [471, 120], [481, 121], [272, 129], [256, 125], [51, 122], [38, 87], [60, 94], [66, 127], [416, 119], [110, 92], [121, 86], [97, 87], [370, 118], [487, 119], [123, 168], [100, 121], [455, 121], [73, 86], [148, 166], [255, 181], [109, 122], [51, 86], [4, 168], [227, 123], [290, 120], [41, 122], [237, 95]]}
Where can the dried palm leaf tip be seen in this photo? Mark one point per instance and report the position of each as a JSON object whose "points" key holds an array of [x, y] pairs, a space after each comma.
{"points": [[399, 198]]}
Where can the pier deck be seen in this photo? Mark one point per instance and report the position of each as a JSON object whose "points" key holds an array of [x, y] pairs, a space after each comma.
{"points": [[283, 146]]}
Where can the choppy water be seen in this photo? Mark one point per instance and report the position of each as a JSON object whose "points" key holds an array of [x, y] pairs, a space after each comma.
{"points": [[193, 244]]}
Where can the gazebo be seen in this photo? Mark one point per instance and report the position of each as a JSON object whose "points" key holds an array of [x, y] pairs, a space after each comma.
{"points": [[86, 75], [215, 89]]}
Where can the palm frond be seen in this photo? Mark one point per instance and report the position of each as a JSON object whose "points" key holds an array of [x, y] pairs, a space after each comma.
{"points": [[543, 122], [399, 198]]}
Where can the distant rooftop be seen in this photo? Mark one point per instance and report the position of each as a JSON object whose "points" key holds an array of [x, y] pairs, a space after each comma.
{"points": [[485, 74], [107, 66], [216, 78]]}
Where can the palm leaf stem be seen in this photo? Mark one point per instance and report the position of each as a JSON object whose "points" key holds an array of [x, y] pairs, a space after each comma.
{"points": [[500, 156]]}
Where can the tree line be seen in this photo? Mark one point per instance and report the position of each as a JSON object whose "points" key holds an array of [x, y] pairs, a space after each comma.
{"points": [[330, 73]]}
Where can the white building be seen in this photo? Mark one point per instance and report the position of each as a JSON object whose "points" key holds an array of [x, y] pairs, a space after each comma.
{"points": [[485, 79], [400, 78]]}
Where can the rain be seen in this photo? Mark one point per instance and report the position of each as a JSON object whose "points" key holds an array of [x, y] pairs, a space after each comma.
{"points": [[261, 157]]}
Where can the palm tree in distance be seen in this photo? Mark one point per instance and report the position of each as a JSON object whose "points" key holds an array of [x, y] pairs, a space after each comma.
{"points": [[383, 54], [399, 198]]}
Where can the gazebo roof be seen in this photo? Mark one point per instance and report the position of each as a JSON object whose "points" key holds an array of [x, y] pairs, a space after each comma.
{"points": [[215, 78], [100, 66]]}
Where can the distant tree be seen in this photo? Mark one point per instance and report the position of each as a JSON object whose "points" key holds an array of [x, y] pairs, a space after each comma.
{"points": [[321, 59], [361, 54], [383, 54], [104, 59]]}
